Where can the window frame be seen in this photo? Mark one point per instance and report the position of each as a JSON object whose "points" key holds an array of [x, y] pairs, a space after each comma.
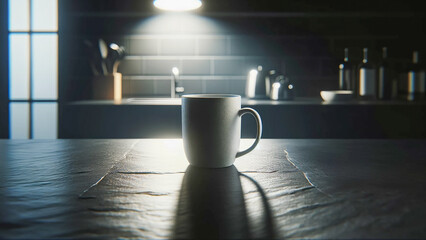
{"points": [[5, 94]]}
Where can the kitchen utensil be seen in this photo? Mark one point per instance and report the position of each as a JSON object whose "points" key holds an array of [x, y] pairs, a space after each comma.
{"points": [[117, 54], [112, 55], [337, 95], [103, 49], [113, 49], [94, 58], [255, 84], [121, 53]]}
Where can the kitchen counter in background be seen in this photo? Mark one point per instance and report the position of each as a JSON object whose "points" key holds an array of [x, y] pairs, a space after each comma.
{"points": [[301, 118]]}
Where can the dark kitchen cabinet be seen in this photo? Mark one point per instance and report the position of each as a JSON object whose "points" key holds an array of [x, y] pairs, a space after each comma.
{"points": [[303, 118]]}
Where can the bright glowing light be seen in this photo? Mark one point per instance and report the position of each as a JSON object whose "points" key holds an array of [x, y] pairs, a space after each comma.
{"points": [[177, 26], [114, 46], [251, 86], [177, 5], [175, 71], [275, 91]]}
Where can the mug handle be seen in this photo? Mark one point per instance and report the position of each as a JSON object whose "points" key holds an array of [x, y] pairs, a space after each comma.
{"points": [[259, 129]]}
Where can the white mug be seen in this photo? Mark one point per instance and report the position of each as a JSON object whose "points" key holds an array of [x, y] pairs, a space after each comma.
{"points": [[211, 129]]}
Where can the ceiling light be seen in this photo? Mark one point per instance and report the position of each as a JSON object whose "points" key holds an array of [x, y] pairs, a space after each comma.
{"points": [[177, 5]]}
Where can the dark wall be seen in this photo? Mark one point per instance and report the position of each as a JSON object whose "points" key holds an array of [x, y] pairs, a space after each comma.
{"points": [[304, 38], [4, 88]]}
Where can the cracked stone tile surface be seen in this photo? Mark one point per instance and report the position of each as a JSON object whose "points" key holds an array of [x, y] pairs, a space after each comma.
{"points": [[144, 188]]}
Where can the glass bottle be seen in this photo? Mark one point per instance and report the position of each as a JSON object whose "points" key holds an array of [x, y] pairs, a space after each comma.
{"points": [[416, 79], [384, 77], [345, 73], [366, 78]]}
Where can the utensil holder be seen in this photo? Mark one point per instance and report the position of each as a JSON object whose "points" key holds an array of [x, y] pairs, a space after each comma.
{"points": [[107, 87]]}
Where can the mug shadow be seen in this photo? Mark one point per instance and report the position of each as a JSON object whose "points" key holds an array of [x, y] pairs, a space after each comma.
{"points": [[211, 205]]}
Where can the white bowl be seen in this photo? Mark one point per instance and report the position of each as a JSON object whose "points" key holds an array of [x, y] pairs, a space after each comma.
{"points": [[337, 95]]}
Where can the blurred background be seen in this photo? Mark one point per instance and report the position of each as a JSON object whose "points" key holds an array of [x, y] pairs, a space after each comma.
{"points": [[46, 58]]}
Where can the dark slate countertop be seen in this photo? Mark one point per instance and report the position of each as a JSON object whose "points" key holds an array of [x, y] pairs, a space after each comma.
{"points": [[144, 188]]}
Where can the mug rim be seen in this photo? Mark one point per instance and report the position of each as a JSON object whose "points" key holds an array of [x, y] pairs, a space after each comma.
{"points": [[210, 96]]}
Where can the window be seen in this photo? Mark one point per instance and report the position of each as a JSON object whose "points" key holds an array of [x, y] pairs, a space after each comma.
{"points": [[33, 68]]}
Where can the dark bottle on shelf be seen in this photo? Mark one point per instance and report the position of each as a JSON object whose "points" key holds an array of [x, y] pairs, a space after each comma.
{"points": [[366, 80], [417, 73], [346, 73], [413, 83], [384, 77]]}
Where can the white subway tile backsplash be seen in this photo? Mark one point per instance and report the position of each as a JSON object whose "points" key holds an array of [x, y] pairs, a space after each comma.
{"points": [[229, 67], [246, 46], [193, 86], [178, 47], [217, 86], [196, 67], [237, 87], [303, 67], [140, 88], [160, 67], [267, 64], [130, 67], [144, 46], [216, 63], [126, 88], [162, 87], [213, 46], [214, 54]]}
